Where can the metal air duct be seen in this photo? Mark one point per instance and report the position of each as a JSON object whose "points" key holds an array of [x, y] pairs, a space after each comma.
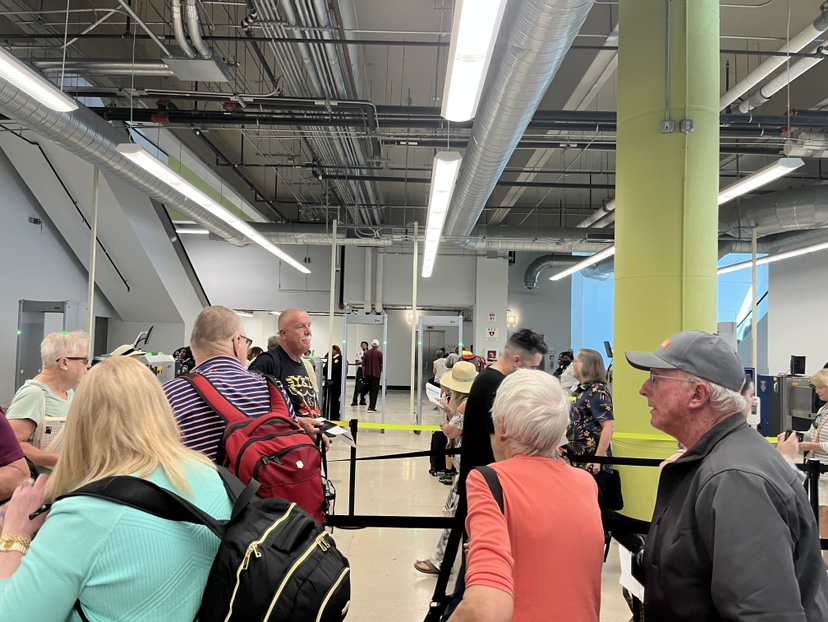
{"points": [[535, 36], [84, 133], [788, 210]]}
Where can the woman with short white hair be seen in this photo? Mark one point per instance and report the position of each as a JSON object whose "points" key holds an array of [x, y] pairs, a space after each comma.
{"points": [[65, 359], [550, 513]]}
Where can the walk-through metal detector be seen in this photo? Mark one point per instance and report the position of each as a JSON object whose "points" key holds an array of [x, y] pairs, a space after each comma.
{"points": [[367, 320], [36, 319], [431, 321]]}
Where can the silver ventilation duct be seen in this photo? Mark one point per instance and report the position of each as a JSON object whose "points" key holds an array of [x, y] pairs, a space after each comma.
{"points": [[787, 210], [84, 133], [535, 36]]}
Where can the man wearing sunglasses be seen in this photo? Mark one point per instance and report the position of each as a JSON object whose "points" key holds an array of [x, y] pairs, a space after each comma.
{"points": [[65, 360], [733, 536]]}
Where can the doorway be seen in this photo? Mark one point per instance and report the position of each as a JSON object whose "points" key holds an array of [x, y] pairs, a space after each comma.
{"points": [[433, 340]]}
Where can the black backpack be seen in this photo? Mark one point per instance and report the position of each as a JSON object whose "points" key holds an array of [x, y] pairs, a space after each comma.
{"points": [[274, 562]]}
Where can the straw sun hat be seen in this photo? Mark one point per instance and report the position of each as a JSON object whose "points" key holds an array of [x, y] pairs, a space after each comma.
{"points": [[460, 377]]}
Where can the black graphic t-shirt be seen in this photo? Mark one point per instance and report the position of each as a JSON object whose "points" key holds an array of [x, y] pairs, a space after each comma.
{"points": [[294, 377]]}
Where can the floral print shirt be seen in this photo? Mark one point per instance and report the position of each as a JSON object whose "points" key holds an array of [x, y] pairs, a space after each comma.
{"points": [[593, 404]]}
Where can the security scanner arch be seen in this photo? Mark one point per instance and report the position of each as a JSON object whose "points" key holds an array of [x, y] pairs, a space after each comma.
{"points": [[430, 321]]}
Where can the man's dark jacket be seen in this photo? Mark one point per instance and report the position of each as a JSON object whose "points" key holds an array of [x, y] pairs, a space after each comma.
{"points": [[733, 536]]}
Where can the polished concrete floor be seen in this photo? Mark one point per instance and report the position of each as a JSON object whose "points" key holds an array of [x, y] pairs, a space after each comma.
{"points": [[384, 584]]}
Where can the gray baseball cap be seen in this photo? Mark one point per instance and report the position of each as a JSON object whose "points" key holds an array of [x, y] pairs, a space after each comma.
{"points": [[699, 353]]}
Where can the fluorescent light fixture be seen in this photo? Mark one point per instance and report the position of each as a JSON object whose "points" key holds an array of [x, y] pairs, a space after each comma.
{"points": [[586, 263], [23, 77], [193, 231], [473, 35], [771, 258], [274, 313], [760, 178], [443, 175], [243, 313], [142, 158]]}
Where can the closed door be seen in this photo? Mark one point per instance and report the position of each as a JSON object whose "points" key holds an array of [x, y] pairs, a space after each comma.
{"points": [[433, 340]]}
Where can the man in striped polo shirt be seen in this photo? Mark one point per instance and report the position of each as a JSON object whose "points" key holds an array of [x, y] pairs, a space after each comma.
{"points": [[220, 349]]}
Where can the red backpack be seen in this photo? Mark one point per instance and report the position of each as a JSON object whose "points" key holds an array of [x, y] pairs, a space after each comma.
{"points": [[272, 449]]}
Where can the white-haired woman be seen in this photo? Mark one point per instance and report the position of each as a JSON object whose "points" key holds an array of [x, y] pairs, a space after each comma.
{"points": [[65, 359], [118, 562], [550, 513]]}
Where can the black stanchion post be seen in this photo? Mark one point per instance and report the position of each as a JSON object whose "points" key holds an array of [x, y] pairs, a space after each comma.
{"points": [[813, 485], [353, 425]]}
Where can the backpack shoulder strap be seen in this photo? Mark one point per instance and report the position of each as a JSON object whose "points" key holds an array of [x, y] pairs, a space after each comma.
{"points": [[278, 396], [214, 399], [492, 480], [148, 497]]}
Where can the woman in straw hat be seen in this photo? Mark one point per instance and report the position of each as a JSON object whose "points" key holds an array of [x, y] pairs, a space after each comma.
{"points": [[457, 381]]}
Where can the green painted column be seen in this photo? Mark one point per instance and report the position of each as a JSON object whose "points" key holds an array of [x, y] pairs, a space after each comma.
{"points": [[666, 207]]}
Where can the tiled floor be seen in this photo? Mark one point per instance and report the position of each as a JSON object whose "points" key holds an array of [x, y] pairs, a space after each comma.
{"points": [[384, 584]]}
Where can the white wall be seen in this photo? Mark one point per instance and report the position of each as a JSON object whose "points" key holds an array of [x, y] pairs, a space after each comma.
{"points": [[797, 303], [546, 310], [165, 337], [37, 265]]}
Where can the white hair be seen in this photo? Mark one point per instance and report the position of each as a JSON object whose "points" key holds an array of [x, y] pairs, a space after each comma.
{"points": [[534, 412], [724, 401], [57, 345]]}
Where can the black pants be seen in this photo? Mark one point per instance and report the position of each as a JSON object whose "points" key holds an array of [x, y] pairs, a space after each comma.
{"points": [[360, 387], [373, 389], [332, 402]]}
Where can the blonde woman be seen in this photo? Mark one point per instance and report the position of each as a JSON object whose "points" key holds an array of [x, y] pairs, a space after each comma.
{"points": [[458, 381], [816, 440], [117, 562], [65, 360]]}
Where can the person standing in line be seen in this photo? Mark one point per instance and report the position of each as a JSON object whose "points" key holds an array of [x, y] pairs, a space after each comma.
{"points": [[550, 512], [592, 422], [525, 349], [220, 348], [65, 359], [285, 363], [334, 385], [733, 536], [815, 440], [359, 383], [372, 368]]}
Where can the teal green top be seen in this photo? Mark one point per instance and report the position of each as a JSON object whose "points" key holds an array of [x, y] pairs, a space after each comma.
{"points": [[34, 400], [123, 564]]}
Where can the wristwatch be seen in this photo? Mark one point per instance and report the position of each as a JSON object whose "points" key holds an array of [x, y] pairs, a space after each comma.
{"points": [[15, 543]]}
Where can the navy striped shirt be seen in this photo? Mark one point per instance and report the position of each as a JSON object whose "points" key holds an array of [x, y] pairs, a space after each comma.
{"points": [[201, 428]]}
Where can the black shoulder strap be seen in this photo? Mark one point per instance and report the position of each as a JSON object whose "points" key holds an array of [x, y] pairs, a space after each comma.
{"points": [[148, 497], [490, 475]]}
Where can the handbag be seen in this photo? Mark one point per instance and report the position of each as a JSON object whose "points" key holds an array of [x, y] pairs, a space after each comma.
{"points": [[609, 489]]}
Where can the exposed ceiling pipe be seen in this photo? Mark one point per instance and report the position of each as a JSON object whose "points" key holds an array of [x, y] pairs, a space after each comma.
{"points": [[787, 210], [178, 30], [194, 26], [782, 80], [806, 36], [535, 36], [380, 276], [533, 271], [598, 214], [369, 257], [84, 133]]}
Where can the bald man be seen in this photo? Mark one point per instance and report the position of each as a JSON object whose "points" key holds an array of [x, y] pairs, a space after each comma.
{"points": [[285, 363]]}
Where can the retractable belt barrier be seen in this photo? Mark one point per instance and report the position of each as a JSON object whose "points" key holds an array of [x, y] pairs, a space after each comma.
{"points": [[621, 527]]}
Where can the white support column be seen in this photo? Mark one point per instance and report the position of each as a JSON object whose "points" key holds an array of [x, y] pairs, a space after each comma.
{"points": [[491, 296]]}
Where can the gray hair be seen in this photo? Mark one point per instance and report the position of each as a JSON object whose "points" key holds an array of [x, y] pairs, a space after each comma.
{"points": [[723, 401], [534, 412], [213, 326], [273, 341], [57, 345]]}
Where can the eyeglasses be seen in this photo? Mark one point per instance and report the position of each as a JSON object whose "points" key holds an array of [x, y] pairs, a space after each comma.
{"points": [[247, 340], [85, 359], [653, 377]]}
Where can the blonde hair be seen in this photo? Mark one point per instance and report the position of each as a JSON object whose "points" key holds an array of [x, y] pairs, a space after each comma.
{"points": [[120, 423], [215, 325], [591, 366], [455, 399], [57, 345], [820, 378]]}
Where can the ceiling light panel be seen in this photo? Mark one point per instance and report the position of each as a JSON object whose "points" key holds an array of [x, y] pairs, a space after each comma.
{"points": [[443, 176], [23, 77]]}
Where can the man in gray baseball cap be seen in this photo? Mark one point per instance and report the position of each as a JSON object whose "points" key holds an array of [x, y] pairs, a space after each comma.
{"points": [[733, 536]]}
